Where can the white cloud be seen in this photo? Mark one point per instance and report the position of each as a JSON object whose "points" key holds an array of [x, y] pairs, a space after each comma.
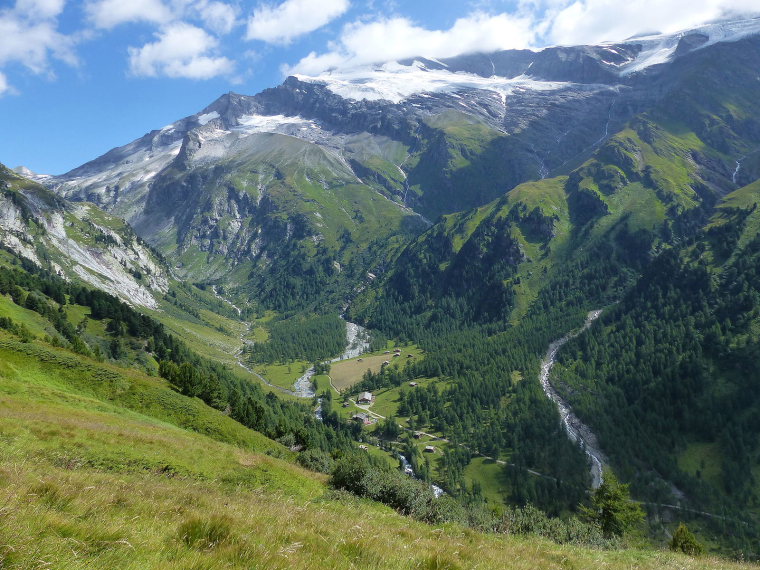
{"points": [[534, 23], [214, 15], [108, 14], [398, 38], [217, 16], [181, 50], [593, 21], [4, 87], [281, 24], [40, 8], [30, 36]]}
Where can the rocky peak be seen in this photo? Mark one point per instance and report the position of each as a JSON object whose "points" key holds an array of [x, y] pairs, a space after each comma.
{"points": [[229, 108]]}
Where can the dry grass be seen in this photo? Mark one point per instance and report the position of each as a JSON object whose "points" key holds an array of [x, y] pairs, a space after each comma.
{"points": [[140, 521], [346, 373]]}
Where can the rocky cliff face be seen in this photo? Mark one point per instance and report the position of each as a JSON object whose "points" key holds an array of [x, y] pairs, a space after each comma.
{"points": [[78, 241]]}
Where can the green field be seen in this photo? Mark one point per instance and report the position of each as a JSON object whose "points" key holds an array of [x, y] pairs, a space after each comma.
{"points": [[703, 458], [37, 325], [282, 375], [386, 400], [346, 373], [490, 476]]}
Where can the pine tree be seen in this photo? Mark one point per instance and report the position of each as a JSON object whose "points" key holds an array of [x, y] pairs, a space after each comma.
{"points": [[611, 507], [684, 541]]}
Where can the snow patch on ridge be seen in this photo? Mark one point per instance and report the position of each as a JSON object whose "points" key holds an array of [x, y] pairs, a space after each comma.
{"points": [[206, 117], [269, 123], [396, 82], [659, 48]]}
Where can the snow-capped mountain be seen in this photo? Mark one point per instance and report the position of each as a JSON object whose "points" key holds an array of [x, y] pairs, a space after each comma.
{"points": [[424, 136], [507, 71]]}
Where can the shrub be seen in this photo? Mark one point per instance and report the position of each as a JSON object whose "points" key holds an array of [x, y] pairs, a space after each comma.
{"points": [[684, 541], [316, 460], [409, 496], [356, 474], [530, 520], [348, 474]]}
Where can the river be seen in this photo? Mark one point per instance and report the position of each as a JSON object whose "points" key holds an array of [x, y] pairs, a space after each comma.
{"points": [[357, 343], [437, 491], [576, 430]]}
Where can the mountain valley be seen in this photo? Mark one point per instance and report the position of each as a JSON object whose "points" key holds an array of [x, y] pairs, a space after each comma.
{"points": [[274, 310]]}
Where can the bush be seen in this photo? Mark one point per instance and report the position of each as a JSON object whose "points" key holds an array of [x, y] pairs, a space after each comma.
{"points": [[205, 534], [684, 541], [355, 473], [316, 460], [530, 520]]}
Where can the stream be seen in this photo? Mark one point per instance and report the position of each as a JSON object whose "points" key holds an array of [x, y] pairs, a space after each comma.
{"points": [[576, 430], [738, 168], [437, 491], [357, 342], [243, 342]]}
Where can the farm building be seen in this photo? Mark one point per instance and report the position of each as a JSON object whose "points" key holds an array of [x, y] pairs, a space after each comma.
{"points": [[429, 449], [365, 398], [363, 418]]}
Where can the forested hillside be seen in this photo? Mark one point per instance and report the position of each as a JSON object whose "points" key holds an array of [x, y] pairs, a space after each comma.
{"points": [[646, 230], [669, 375]]}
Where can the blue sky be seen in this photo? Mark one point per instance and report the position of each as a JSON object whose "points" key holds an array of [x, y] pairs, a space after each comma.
{"points": [[79, 77]]}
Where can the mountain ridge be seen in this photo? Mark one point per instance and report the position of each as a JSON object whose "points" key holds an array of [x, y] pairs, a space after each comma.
{"points": [[450, 145]]}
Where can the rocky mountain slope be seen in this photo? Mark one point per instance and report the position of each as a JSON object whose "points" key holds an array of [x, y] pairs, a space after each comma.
{"points": [[78, 241], [328, 165]]}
